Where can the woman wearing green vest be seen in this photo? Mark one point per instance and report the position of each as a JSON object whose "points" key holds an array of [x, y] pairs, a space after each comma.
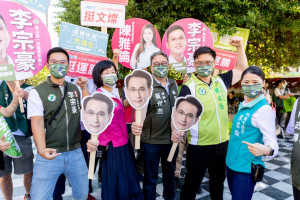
{"points": [[252, 136]]}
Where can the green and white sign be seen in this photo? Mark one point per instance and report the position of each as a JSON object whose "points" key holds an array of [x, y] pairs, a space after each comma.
{"points": [[179, 67], [222, 42], [14, 151]]}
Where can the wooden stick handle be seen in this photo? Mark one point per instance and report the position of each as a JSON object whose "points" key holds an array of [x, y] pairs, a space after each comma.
{"points": [[92, 159], [138, 119], [20, 99], [172, 152]]}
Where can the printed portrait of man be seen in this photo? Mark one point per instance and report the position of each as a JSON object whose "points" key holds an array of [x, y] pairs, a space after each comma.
{"points": [[97, 112], [138, 88], [176, 43], [186, 112]]}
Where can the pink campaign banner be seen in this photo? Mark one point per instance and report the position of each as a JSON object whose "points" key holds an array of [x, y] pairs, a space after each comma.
{"points": [[120, 2], [24, 42], [182, 38], [82, 64], [225, 60], [138, 40]]}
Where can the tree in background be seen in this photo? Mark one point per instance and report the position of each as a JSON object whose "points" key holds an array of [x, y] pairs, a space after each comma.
{"points": [[274, 25]]}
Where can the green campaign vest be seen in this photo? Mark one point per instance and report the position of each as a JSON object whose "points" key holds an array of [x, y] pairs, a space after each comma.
{"points": [[64, 133], [212, 128], [157, 124], [295, 158]]}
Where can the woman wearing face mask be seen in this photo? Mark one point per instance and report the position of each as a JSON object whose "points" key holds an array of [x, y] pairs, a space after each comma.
{"points": [[119, 177], [252, 136], [140, 58]]}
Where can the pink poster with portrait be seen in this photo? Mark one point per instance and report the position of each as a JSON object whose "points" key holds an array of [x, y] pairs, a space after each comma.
{"points": [[138, 40], [24, 42], [182, 38]]}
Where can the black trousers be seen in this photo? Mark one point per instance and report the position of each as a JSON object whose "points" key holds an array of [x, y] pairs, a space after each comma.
{"points": [[296, 193], [198, 160]]}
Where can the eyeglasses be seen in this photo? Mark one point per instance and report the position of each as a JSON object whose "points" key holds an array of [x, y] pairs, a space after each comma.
{"points": [[157, 64], [63, 62], [200, 63], [188, 115], [140, 90], [99, 115]]}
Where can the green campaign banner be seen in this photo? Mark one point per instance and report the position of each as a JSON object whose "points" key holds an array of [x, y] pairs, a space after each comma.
{"points": [[222, 42], [179, 67], [14, 151]]}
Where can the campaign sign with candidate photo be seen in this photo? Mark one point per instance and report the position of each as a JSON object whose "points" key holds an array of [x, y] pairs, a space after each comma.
{"points": [[138, 88], [138, 40], [186, 112], [97, 112], [182, 38], [24, 42]]}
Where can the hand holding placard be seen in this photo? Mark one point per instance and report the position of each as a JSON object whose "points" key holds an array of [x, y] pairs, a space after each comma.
{"points": [[96, 114], [186, 112], [138, 91]]}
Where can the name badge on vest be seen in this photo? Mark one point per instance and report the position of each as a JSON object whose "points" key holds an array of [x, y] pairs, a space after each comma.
{"points": [[51, 97], [202, 91], [296, 137]]}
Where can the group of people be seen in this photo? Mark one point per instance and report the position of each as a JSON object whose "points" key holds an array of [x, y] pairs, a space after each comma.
{"points": [[63, 145]]}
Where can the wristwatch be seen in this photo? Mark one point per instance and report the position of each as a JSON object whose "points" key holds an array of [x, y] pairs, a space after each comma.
{"points": [[271, 152]]}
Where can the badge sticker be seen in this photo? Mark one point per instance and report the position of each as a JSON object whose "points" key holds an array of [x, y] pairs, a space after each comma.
{"points": [[202, 91], [51, 97]]}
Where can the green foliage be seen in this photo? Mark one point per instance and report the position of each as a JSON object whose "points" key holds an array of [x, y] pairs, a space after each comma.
{"points": [[274, 25], [38, 78]]}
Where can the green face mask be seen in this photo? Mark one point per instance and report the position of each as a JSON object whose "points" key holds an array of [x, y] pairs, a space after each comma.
{"points": [[205, 70], [110, 79], [160, 71], [252, 91], [58, 70]]}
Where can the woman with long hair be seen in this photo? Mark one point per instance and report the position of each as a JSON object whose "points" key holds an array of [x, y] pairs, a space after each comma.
{"points": [[142, 52]]}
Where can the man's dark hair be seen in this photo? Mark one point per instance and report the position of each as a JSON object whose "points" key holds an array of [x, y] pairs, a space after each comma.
{"points": [[191, 100], [99, 97], [157, 54], [174, 28], [99, 68], [1, 17], [254, 70], [203, 50], [141, 74], [232, 92], [57, 50], [278, 82]]}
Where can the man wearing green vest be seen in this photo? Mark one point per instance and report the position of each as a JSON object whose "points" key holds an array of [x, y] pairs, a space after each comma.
{"points": [[54, 109], [294, 129], [156, 130], [208, 139], [21, 131]]}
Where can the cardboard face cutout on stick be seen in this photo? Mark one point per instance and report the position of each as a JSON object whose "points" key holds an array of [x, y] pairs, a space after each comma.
{"points": [[97, 112], [186, 112], [138, 88]]}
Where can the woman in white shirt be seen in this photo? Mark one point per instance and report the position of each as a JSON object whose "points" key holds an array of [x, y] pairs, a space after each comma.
{"points": [[142, 52]]}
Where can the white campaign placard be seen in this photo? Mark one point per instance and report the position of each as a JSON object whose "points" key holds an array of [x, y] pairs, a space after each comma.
{"points": [[102, 14]]}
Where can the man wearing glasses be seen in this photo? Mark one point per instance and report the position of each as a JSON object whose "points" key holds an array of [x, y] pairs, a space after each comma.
{"points": [[155, 131], [97, 112], [54, 110], [138, 88], [186, 112], [208, 140]]}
